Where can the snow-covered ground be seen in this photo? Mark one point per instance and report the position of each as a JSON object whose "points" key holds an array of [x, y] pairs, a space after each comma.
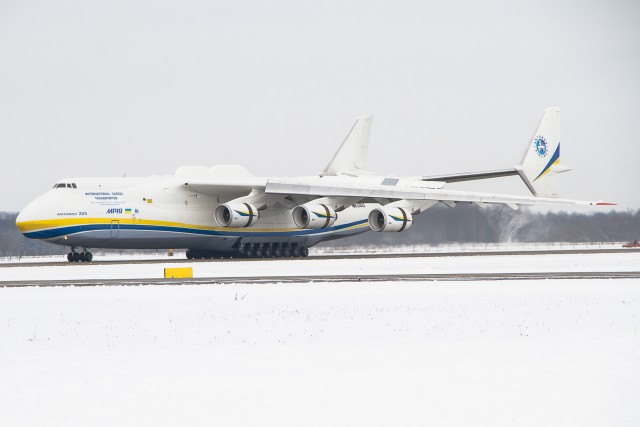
{"points": [[539, 352]]}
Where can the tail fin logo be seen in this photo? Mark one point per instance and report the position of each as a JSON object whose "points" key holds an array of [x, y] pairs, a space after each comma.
{"points": [[541, 146]]}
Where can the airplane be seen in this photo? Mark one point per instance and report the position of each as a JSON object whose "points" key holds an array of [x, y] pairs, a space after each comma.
{"points": [[224, 211]]}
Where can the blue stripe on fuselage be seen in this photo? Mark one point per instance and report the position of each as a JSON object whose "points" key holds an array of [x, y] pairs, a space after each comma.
{"points": [[74, 229]]}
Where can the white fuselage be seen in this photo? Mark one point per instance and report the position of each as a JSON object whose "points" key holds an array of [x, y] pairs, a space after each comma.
{"points": [[160, 213]]}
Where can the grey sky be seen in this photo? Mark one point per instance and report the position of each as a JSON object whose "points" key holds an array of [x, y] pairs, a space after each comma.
{"points": [[142, 87]]}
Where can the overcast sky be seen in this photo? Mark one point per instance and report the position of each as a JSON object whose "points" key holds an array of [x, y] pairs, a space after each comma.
{"points": [[142, 87]]}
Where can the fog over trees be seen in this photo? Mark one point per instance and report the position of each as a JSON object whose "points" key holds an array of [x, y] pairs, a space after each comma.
{"points": [[498, 224], [462, 224]]}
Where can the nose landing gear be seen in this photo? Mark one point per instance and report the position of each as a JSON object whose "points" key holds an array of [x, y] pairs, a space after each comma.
{"points": [[84, 256]]}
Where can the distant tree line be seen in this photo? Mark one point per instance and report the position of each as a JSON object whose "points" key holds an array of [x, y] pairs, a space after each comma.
{"points": [[13, 243], [462, 224], [498, 224]]}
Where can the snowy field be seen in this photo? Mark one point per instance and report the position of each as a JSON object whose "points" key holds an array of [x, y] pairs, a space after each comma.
{"points": [[531, 353]]}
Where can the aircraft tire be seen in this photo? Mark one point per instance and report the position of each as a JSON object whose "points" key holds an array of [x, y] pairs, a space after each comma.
{"points": [[75, 256], [286, 252], [189, 254], [268, 252], [70, 257], [304, 252], [296, 251], [277, 251], [88, 257], [257, 251]]}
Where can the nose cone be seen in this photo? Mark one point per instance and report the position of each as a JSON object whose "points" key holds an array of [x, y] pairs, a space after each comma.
{"points": [[27, 219], [22, 220]]}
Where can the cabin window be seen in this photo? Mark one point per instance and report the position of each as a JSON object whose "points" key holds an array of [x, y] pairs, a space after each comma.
{"points": [[74, 185], [68, 185], [61, 185]]}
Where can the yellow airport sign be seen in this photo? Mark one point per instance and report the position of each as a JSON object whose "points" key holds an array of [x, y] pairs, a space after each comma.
{"points": [[178, 273]]}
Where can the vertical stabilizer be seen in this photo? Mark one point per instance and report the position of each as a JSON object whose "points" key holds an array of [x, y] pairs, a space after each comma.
{"points": [[352, 154], [540, 164]]}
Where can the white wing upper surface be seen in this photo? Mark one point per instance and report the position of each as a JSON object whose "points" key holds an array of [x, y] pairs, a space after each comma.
{"points": [[360, 188], [343, 187]]}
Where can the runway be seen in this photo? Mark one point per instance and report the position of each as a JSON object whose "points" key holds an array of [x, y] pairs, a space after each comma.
{"points": [[366, 268], [462, 277], [180, 259]]}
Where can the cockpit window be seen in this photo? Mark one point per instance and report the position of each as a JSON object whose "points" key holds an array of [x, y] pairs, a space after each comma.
{"points": [[65, 185]]}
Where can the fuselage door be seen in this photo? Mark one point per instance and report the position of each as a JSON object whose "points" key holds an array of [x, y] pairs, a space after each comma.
{"points": [[115, 228]]}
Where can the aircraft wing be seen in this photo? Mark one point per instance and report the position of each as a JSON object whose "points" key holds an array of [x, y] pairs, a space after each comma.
{"points": [[323, 187], [358, 188]]}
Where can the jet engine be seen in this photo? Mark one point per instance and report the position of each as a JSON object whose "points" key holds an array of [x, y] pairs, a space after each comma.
{"points": [[236, 215], [390, 219], [314, 216]]}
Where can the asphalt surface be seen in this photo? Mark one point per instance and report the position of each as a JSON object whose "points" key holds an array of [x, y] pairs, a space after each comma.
{"points": [[334, 278], [180, 259], [328, 278]]}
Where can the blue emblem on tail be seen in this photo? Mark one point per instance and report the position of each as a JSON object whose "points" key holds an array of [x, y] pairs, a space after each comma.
{"points": [[541, 146]]}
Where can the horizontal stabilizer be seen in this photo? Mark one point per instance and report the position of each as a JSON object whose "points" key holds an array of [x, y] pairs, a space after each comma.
{"points": [[471, 176]]}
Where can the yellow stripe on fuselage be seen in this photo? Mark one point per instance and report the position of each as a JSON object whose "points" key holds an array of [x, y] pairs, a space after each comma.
{"points": [[47, 224]]}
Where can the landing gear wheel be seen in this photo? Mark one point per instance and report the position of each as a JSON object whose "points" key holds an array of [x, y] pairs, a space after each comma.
{"points": [[277, 251], [75, 256], [304, 252], [245, 250], [88, 257], [70, 257], [257, 251], [296, 251], [268, 253], [286, 252], [189, 254]]}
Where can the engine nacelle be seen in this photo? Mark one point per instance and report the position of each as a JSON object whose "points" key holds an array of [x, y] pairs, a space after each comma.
{"points": [[236, 215], [390, 219], [314, 216]]}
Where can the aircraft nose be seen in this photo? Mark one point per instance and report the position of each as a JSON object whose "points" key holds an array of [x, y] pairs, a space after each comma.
{"points": [[21, 220], [26, 217]]}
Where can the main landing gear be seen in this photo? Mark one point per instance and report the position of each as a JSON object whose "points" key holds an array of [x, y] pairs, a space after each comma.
{"points": [[84, 256], [254, 250], [272, 250]]}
